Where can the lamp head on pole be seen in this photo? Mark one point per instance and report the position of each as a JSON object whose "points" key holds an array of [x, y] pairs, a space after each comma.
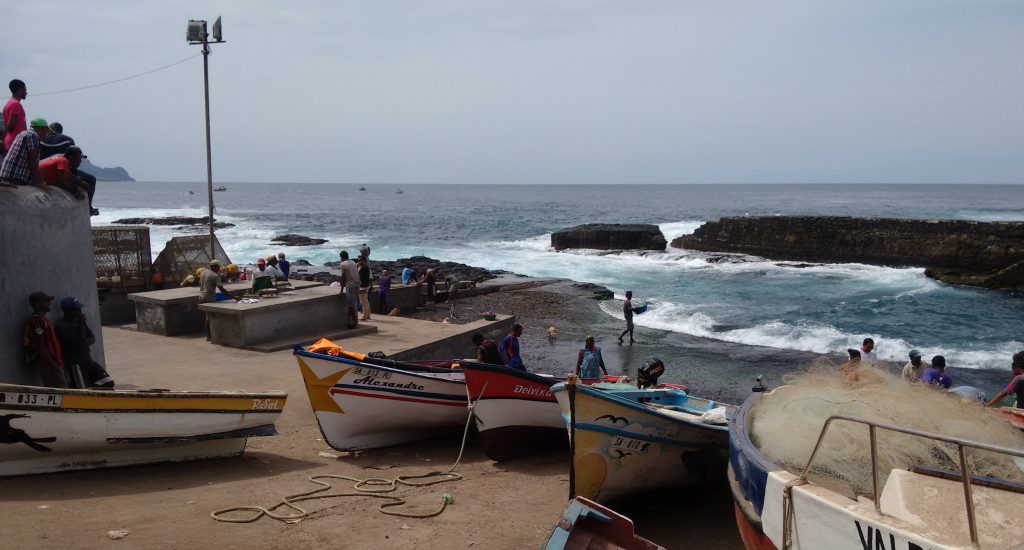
{"points": [[217, 36], [196, 31]]}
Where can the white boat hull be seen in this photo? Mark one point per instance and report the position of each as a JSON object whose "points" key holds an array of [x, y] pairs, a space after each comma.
{"points": [[48, 430], [366, 407]]}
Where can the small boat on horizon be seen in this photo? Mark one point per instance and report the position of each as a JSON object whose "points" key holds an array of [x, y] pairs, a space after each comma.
{"points": [[221, 188], [361, 402], [631, 440], [399, 192], [50, 430], [362, 189]]}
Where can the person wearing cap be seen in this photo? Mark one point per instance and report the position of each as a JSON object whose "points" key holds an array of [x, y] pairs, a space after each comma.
{"points": [[284, 265], [42, 349], [55, 142], [261, 278], [21, 163], [75, 338], [589, 360], [56, 171], [936, 373], [14, 121], [272, 268], [913, 370], [83, 180], [350, 288], [1016, 385]]}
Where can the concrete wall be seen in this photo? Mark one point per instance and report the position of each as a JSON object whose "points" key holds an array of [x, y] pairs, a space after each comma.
{"points": [[459, 346], [45, 244]]}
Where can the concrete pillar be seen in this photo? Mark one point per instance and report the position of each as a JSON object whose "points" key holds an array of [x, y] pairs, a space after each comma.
{"points": [[45, 244]]}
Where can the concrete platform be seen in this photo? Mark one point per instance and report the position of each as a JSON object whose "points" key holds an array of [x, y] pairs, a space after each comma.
{"points": [[175, 311]]}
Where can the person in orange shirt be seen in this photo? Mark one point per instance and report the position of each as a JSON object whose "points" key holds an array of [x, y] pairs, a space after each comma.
{"points": [[57, 170]]}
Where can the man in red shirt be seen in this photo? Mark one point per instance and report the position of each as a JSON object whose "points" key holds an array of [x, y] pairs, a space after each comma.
{"points": [[42, 349], [14, 114], [57, 170]]}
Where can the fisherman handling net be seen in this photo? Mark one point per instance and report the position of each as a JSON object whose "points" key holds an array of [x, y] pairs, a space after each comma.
{"points": [[787, 422]]}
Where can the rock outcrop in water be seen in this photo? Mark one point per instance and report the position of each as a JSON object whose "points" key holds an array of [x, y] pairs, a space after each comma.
{"points": [[182, 221], [328, 273], [292, 239], [610, 236], [988, 254]]}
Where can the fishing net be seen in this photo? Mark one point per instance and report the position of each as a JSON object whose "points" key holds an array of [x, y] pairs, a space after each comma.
{"points": [[787, 422]]}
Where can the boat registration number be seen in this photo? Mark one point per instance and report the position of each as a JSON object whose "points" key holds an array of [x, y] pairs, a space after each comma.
{"points": [[30, 399], [363, 371], [630, 444]]}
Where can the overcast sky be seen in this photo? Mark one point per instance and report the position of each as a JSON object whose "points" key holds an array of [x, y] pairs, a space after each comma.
{"points": [[475, 91]]}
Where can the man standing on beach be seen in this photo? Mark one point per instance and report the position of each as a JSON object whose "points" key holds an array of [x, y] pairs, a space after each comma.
{"points": [[14, 114], [350, 288], [42, 350], [408, 275], [627, 312], [509, 348], [209, 284], [913, 370], [365, 286], [1016, 385], [21, 162]]}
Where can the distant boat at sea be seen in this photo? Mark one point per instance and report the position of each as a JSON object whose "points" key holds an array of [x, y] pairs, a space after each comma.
{"points": [[399, 192], [191, 192], [221, 188], [362, 189]]}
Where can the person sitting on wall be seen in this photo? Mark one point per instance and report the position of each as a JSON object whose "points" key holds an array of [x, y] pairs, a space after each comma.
{"points": [[274, 270], [42, 350], [75, 338], [284, 265], [20, 164], [261, 278], [56, 171]]}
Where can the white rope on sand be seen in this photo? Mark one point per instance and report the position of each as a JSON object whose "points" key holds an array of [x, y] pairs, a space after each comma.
{"points": [[372, 487]]}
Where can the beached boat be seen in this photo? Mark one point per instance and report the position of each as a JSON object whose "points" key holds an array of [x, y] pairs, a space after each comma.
{"points": [[586, 525], [364, 403], [630, 440], [515, 412], [792, 507], [49, 430]]}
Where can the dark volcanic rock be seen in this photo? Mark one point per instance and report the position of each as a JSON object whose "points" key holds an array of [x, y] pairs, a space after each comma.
{"points": [[296, 240], [601, 236], [170, 220], [301, 262], [461, 272], [599, 292], [201, 228], [956, 251]]}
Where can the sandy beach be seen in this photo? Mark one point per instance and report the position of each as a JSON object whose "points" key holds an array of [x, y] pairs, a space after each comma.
{"points": [[497, 505]]}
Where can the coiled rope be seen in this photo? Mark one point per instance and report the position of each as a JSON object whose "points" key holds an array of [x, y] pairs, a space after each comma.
{"points": [[374, 487]]}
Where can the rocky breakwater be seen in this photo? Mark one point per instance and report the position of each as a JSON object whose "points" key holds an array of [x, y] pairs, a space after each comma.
{"points": [[987, 254], [610, 236]]}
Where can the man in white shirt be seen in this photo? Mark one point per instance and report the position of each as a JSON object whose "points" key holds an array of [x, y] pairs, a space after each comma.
{"points": [[913, 370], [261, 277], [867, 355]]}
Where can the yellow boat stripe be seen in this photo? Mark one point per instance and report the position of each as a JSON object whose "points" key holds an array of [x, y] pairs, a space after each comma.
{"points": [[187, 404]]}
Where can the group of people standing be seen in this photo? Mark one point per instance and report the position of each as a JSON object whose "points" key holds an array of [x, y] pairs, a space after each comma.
{"points": [[40, 154], [59, 353]]}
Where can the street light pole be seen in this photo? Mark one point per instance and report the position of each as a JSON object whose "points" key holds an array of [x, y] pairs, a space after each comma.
{"points": [[196, 34]]}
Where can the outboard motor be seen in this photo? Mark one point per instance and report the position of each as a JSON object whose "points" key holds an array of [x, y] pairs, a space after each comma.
{"points": [[648, 373], [759, 385]]}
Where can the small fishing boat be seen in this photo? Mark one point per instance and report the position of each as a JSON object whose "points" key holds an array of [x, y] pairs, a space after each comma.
{"points": [[586, 525], [362, 189], [629, 440], [515, 412], [362, 402], [221, 188], [801, 506], [399, 192], [50, 430]]}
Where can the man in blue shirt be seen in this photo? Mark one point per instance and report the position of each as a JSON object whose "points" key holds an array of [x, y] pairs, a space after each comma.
{"points": [[407, 275], [936, 374], [509, 348]]}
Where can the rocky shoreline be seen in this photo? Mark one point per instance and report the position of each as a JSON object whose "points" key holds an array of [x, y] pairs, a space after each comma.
{"points": [[986, 254]]}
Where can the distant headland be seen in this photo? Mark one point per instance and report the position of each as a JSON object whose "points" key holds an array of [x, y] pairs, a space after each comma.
{"points": [[106, 174]]}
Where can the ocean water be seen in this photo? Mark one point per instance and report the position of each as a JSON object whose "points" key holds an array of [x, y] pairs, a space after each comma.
{"points": [[819, 309]]}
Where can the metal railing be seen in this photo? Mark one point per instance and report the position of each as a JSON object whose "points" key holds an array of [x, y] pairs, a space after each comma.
{"points": [[961, 445]]}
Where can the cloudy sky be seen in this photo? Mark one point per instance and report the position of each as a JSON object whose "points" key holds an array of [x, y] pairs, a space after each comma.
{"points": [[525, 91]]}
